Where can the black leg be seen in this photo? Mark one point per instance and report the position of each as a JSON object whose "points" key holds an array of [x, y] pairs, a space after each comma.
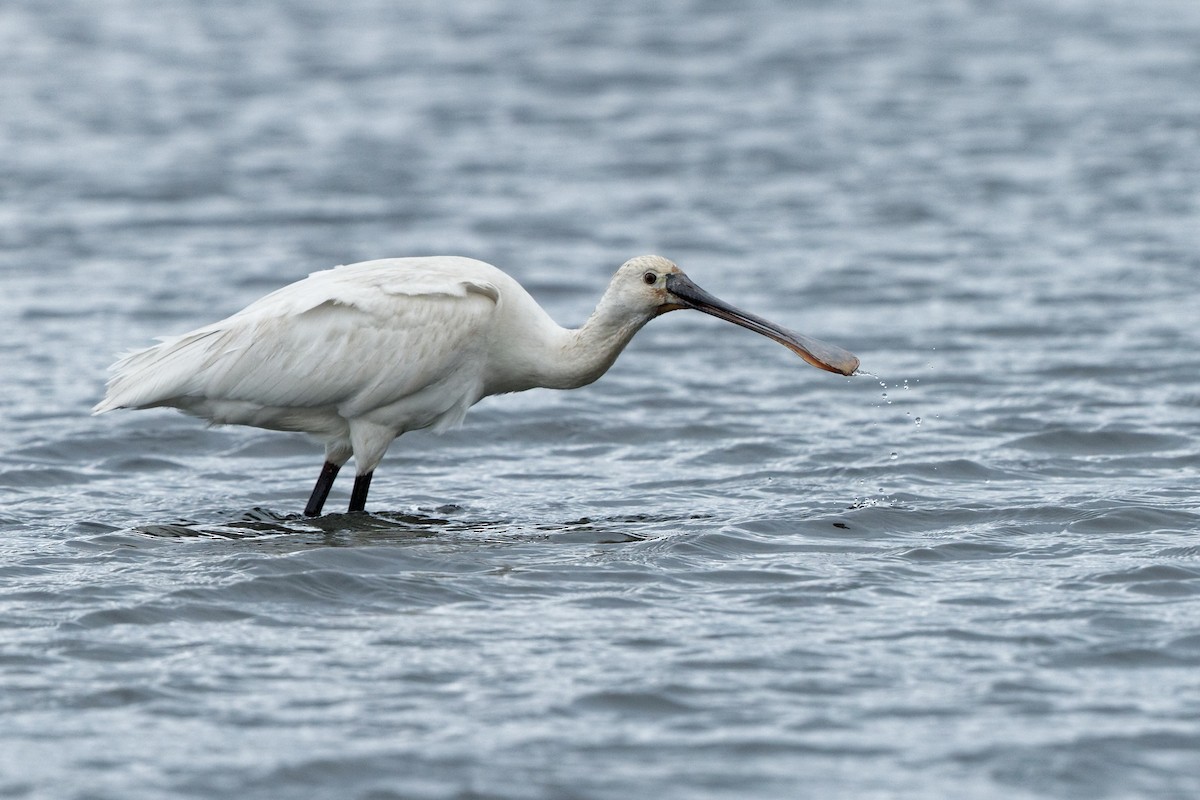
{"points": [[321, 491], [358, 497]]}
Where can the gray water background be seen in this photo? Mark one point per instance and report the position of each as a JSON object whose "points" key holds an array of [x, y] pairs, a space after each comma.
{"points": [[715, 573]]}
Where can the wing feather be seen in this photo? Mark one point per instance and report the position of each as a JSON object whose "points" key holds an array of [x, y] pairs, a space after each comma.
{"points": [[355, 337]]}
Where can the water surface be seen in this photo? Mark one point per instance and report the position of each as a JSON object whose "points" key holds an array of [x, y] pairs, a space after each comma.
{"points": [[715, 573]]}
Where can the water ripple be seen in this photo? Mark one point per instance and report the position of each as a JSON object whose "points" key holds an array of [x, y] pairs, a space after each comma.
{"points": [[713, 573]]}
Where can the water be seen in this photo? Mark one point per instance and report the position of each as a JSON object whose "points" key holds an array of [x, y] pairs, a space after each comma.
{"points": [[717, 572]]}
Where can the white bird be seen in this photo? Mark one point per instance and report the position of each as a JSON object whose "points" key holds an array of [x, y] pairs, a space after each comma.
{"points": [[359, 354]]}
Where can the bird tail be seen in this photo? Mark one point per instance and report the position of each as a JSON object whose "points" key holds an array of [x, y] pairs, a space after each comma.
{"points": [[156, 375]]}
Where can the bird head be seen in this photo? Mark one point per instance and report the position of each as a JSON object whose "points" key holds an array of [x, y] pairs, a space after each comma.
{"points": [[657, 285]]}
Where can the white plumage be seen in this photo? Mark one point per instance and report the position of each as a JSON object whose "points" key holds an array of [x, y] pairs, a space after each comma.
{"points": [[359, 354]]}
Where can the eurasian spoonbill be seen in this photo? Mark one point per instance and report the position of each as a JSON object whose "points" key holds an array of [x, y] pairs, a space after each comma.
{"points": [[359, 354]]}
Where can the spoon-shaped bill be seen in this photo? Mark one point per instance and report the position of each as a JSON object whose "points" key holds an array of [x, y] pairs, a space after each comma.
{"points": [[819, 354]]}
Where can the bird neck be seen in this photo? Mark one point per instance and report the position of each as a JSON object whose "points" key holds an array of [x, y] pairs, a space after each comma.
{"points": [[587, 352]]}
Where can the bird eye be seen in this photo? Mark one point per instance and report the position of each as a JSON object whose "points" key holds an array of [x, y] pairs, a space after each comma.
{"points": [[650, 278]]}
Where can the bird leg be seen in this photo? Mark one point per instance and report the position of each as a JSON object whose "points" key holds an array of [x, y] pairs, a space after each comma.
{"points": [[358, 497], [321, 491]]}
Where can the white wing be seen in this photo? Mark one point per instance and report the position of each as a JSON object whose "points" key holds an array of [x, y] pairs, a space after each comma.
{"points": [[354, 338]]}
